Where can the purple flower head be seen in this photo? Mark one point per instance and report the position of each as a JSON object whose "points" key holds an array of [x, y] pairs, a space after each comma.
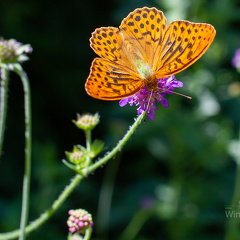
{"points": [[12, 51], [145, 99], [236, 59]]}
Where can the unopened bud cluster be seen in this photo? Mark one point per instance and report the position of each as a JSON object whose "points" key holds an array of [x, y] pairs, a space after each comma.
{"points": [[79, 220]]}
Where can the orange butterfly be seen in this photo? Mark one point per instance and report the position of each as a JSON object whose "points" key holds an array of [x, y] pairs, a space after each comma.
{"points": [[142, 50]]}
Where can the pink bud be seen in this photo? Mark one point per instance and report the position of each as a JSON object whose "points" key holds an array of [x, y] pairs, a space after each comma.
{"points": [[70, 212], [81, 224], [76, 220], [85, 218], [72, 229]]}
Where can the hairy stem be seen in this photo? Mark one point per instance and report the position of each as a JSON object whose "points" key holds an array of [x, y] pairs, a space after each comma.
{"points": [[3, 103], [68, 190], [46, 215], [119, 146], [28, 148]]}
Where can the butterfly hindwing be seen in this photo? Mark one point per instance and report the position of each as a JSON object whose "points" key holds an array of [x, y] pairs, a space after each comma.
{"points": [[109, 81]]}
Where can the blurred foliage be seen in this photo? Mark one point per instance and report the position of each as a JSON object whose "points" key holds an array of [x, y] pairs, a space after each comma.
{"points": [[181, 160]]}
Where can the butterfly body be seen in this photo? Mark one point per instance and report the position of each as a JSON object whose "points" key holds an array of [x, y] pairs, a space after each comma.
{"points": [[143, 49], [151, 83]]}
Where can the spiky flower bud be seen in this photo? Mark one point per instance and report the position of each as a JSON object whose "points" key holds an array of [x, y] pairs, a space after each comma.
{"points": [[77, 156], [12, 51], [79, 220], [87, 121]]}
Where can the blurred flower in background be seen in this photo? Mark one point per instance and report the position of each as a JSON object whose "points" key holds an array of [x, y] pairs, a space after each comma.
{"points": [[236, 60]]}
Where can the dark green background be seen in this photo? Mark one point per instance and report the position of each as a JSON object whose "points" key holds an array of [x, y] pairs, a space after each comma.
{"points": [[180, 160]]}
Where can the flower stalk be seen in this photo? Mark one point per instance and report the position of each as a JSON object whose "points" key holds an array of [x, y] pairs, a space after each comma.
{"points": [[4, 80], [119, 146], [88, 234], [28, 142], [12, 53]]}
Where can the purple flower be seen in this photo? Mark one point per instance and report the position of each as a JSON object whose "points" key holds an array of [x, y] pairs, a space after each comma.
{"points": [[12, 51], [236, 59], [146, 202], [145, 99]]}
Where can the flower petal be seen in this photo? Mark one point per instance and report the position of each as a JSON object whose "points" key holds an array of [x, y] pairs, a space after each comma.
{"points": [[123, 102], [164, 102], [145, 99]]}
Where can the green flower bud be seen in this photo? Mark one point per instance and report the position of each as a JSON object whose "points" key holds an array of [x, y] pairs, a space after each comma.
{"points": [[87, 121], [77, 156]]}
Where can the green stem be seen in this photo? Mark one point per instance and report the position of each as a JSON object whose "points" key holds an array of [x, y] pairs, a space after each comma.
{"points": [[135, 225], [88, 234], [88, 144], [28, 147], [119, 146], [3, 103], [68, 190], [88, 139], [46, 215], [232, 231], [105, 198]]}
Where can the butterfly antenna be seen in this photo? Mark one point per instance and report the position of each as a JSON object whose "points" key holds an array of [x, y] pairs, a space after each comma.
{"points": [[180, 94]]}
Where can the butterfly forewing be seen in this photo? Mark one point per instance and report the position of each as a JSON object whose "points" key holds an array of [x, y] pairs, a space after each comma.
{"points": [[183, 44], [104, 42], [109, 81], [144, 30]]}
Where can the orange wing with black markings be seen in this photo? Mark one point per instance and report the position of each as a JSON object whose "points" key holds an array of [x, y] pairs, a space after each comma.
{"points": [[143, 49], [107, 81]]}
